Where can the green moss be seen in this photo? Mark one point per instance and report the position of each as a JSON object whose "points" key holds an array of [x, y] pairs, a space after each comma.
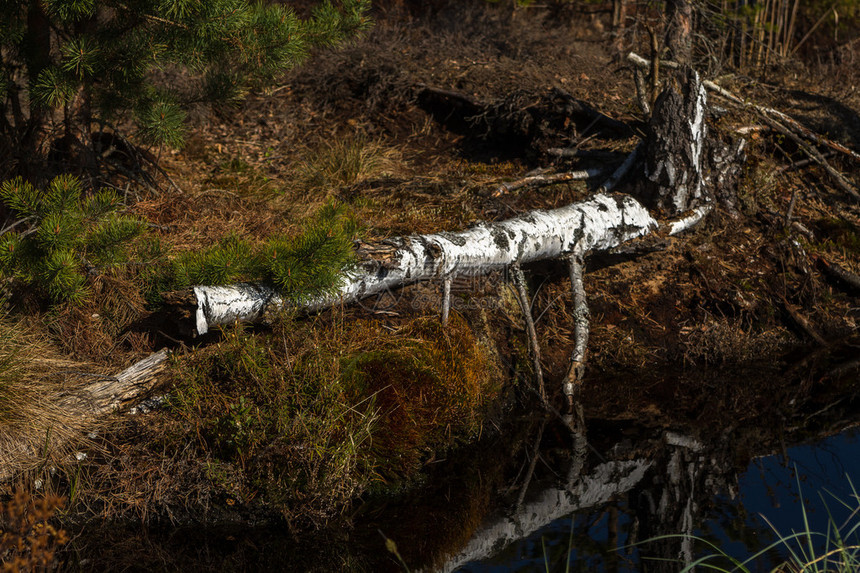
{"points": [[314, 414]]}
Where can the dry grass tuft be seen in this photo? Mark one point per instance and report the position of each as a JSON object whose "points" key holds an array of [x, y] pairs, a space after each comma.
{"points": [[720, 342], [344, 161], [36, 434]]}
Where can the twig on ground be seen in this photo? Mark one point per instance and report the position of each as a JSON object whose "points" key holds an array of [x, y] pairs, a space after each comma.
{"points": [[802, 323], [835, 271], [597, 154], [790, 211], [803, 162], [814, 155], [622, 170], [546, 180]]}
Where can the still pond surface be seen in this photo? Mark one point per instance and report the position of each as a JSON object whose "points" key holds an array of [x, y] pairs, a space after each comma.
{"points": [[776, 496]]}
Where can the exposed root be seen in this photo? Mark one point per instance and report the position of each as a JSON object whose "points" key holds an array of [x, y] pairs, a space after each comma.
{"points": [[523, 298], [572, 383]]}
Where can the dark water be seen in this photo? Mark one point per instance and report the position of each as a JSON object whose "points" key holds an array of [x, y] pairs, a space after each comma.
{"points": [[723, 460], [775, 496]]}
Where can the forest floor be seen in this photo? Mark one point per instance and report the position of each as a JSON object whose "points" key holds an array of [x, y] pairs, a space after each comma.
{"points": [[355, 126]]}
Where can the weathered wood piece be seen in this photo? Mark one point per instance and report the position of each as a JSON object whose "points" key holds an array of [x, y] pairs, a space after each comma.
{"points": [[622, 170], [111, 392], [641, 92], [65, 416]]}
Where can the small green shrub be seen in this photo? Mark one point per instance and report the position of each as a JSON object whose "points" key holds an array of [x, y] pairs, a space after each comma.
{"points": [[70, 236], [306, 265]]}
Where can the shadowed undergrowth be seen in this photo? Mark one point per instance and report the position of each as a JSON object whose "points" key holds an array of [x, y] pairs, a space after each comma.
{"points": [[304, 418]]}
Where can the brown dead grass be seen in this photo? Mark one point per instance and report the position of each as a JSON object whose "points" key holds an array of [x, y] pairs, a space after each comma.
{"points": [[35, 433]]}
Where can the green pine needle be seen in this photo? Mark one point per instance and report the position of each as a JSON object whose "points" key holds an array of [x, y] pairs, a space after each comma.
{"points": [[301, 267], [63, 194], [104, 54], [53, 89], [22, 198], [162, 123], [68, 234]]}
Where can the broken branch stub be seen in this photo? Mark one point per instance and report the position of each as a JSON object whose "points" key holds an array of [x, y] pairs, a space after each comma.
{"points": [[674, 148]]}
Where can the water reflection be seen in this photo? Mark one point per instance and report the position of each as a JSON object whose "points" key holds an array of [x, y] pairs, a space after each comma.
{"points": [[688, 488], [700, 456]]}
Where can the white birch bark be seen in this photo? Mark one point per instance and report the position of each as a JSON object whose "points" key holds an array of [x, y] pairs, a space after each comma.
{"points": [[606, 482], [599, 223]]}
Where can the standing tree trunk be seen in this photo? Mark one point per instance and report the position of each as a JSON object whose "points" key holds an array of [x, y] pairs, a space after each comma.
{"points": [[36, 45], [679, 30], [675, 147]]}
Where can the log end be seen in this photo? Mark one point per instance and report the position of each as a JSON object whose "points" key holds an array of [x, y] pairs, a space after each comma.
{"points": [[183, 309]]}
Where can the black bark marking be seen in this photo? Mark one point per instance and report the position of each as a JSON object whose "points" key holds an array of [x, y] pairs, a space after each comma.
{"points": [[500, 237], [455, 238]]}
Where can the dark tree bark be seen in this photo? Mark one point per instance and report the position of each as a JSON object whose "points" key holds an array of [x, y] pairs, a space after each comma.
{"points": [[674, 149], [37, 49], [679, 30]]}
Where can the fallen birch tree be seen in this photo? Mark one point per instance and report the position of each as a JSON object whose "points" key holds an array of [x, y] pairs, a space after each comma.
{"points": [[675, 186], [598, 224]]}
